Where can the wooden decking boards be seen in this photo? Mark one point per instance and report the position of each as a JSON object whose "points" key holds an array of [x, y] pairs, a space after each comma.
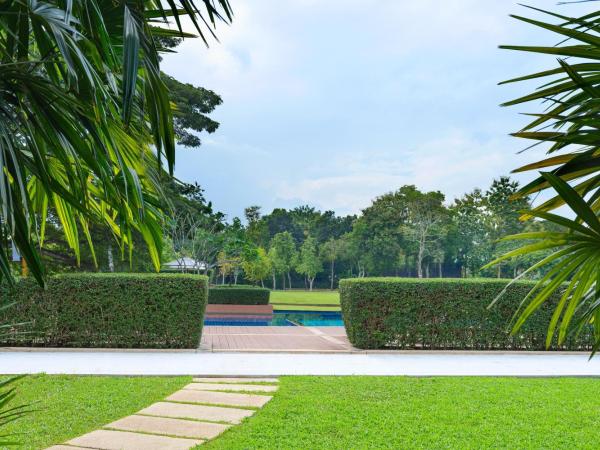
{"points": [[273, 338]]}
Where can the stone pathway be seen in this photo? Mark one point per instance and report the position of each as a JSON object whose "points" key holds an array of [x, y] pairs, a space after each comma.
{"points": [[200, 411]]}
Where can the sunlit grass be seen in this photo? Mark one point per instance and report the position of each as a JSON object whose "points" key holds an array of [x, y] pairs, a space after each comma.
{"points": [[305, 300], [69, 406], [422, 413]]}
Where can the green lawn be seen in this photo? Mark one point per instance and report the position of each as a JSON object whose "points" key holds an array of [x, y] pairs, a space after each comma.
{"points": [[428, 413], [305, 300], [68, 406]]}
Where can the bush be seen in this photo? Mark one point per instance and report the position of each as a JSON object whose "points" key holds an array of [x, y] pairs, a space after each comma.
{"points": [[108, 310], [238, 295], [443, 314]]}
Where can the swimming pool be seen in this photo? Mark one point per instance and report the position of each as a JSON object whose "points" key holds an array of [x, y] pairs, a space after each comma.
{"points": [[282, 319]]}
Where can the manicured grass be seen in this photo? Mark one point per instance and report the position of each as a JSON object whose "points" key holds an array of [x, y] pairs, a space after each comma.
{"points": [[426, 413], [68, 406], [305, 300]]}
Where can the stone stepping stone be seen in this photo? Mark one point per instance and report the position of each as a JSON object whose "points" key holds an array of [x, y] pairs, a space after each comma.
{"points": [[219, 398], [231, 387], [198, 412], [123, 440], [171, 427], [235, 380]]}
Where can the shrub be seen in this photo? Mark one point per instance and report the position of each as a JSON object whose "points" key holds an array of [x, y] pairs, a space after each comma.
{"points": [[443, 314], [238, 295], [108, 310]]}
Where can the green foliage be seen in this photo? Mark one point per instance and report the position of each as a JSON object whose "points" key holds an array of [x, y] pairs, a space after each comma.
{"points": [[192, 104], [86, 120], [309, 263], [283, 253], [256, 264], [238, 295], [108, 310], [481, 219], [569, 128], [444, 314]]}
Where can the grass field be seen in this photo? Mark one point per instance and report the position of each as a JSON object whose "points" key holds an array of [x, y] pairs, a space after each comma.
{"points": [[305, 300], [342, 412], [423, 413], [68, 406]]}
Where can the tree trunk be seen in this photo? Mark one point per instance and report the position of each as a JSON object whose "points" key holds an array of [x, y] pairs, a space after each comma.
{"points": [[332, 273], [274, 281], [499, 272], [427, 271], [111, 262], [262, 283], [440, 270], [420, 259], [310, 283], [289, 280], [223, 278], [283, 281]]}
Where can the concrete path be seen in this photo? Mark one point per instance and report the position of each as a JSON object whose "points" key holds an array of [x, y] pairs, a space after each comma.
{"points": [[184, 420], [413, 363]]}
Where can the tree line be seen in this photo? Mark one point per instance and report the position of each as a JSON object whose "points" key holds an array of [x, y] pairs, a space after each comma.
{"points": [[407, 232]]}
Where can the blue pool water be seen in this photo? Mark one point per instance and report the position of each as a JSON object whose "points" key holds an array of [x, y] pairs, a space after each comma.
{"points": [[285, 319]]}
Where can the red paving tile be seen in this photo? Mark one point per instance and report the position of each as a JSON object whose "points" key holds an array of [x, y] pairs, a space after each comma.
{"points": [[224, 338]]}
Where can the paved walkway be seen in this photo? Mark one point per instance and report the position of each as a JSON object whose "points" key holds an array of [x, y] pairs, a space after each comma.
{"points": [[200, 411], [266, 339], [413, 363]]}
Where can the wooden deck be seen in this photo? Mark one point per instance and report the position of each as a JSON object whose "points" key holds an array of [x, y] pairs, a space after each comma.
{"points": [[272, 339]]}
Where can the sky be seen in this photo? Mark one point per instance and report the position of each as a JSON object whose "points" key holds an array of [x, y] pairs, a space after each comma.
{"points": [[335, 103]]}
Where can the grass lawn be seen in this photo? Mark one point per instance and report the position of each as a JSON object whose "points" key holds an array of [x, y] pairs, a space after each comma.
{"points": [[68, 406], [428, 413], [305, 300]]}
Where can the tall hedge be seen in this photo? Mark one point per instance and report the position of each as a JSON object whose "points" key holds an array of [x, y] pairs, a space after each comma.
{"points": [[442, 314], [238, 295], [107, 310]]}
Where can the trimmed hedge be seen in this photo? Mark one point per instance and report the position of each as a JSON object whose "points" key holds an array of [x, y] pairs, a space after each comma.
{"points": [[238, 295], [443, 314], [107, 310]]}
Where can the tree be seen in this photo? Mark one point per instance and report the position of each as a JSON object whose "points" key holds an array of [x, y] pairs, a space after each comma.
{"points": [[424, 221], [256, 265], [257, 231], [192, 104], [283, 254], [569, 126], [504, 207], [309, 263], [85, 118], [331, 251], [471, 219]]}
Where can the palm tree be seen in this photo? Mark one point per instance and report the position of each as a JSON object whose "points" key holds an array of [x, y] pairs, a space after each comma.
{"points": [[85, 120], [570, 127]]}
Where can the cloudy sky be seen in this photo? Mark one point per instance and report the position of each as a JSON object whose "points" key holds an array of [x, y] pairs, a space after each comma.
{"points": [[334, 103]]}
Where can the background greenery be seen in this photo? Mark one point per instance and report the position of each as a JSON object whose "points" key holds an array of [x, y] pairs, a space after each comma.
{"points": [[238, 295]]}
